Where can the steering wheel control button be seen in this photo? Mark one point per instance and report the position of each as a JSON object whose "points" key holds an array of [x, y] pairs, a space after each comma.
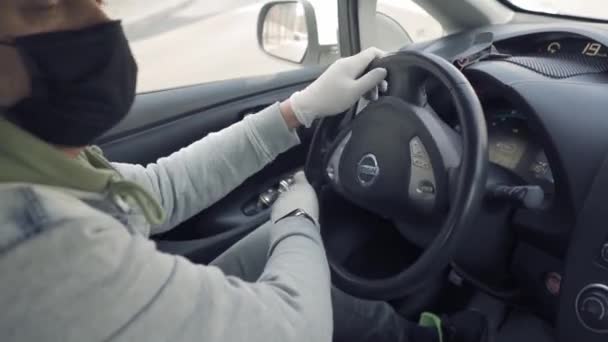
{"points": [[368, 170], [421, 163], [422, 188], [426, 187], [592, 308], [420, 157], [417, 149]]}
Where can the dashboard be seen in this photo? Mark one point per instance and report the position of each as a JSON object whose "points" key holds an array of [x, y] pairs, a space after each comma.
{"points": [[518, 137], [544, 90]]}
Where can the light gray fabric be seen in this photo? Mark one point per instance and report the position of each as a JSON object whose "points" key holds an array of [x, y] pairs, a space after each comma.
{"points": [[79, 266], [194, 178], [355, 319]]}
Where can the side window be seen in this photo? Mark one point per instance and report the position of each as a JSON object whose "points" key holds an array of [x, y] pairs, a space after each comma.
{"points": [[185, 42], [402, 22]]}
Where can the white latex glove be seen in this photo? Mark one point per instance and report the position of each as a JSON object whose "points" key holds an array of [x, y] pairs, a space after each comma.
{"points": [[339, 88], [301, 196]]}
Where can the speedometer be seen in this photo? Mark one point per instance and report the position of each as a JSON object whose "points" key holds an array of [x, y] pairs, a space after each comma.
{"points": [[508, 143]]}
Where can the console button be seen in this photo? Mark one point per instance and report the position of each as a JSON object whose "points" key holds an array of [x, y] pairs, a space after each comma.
{"points": [[592, 308], [422, 188]]}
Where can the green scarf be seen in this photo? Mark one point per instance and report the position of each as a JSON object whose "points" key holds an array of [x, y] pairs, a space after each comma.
{"points": [[27, 159]]}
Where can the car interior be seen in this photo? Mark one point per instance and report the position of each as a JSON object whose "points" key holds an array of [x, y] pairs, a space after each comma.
{"points": [[477, 180]]}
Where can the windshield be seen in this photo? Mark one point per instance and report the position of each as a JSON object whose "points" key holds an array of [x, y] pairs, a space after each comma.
{"points": [[593, 9]]}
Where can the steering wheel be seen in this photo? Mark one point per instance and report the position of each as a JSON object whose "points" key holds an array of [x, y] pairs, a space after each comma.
{"points": [[398, 159]]}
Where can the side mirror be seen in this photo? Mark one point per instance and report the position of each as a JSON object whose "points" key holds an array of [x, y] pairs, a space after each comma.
{"points": [[288, 30]]}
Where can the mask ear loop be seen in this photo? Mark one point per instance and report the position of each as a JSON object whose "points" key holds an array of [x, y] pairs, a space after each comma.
{"points": [[4, 110]]}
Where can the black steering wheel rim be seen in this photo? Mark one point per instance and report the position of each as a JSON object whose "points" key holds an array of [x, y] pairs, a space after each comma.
{"points": [[469, 186]]}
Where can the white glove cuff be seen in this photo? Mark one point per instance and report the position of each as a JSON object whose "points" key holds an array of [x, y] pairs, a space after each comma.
{"points": [[303, 117]]}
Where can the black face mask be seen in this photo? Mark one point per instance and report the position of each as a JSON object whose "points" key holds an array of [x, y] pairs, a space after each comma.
{"points": [[83, 83]]}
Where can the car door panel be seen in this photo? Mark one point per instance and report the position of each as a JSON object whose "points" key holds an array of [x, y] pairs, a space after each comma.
{"points": [[163, 122]]}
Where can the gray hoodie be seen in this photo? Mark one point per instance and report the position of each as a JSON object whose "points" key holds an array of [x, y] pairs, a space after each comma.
{"points": [[78, 265]]}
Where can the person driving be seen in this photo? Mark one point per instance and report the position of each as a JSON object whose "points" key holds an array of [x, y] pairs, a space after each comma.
{"points": [[75, 253]]}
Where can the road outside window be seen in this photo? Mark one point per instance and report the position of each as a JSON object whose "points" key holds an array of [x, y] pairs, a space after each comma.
{"points": [[285, 33], [185, 42]]}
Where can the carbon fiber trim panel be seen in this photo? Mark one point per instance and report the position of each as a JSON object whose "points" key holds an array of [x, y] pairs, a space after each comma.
{"points": [[563, 66]]}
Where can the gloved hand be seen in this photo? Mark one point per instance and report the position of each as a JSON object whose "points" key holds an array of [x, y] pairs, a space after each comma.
{"points": [[300, 195], [339, 88]]}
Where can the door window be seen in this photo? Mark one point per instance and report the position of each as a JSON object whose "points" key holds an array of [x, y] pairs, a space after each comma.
{"points": [[185, 42]]}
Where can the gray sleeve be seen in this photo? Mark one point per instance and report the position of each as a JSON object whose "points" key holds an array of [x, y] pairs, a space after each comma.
{"points": [[290, 302], [197, 176], [128, 291]]}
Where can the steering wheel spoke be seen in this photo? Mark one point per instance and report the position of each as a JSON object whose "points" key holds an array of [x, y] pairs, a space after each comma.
{"points": [[333, 163]]}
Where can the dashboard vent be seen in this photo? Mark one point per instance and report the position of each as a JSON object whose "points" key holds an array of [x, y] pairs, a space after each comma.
{"points": [[563, 66]]}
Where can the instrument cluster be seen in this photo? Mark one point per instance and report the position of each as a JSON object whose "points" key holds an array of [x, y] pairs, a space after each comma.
{"points": [[515, 147]]}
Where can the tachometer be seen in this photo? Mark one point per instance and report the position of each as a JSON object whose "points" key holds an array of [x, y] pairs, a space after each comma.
{"points": [[540, 168]]}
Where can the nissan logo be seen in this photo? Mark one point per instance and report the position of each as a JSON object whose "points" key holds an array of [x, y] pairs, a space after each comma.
{"points": [[368, 170]]}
